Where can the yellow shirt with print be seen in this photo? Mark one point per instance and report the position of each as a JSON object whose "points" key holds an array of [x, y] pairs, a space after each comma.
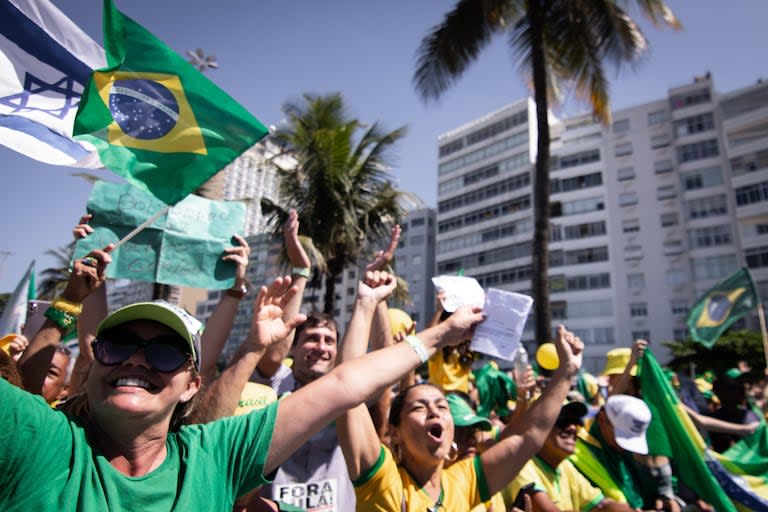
{"points": [[387, 487], [567, 488]]}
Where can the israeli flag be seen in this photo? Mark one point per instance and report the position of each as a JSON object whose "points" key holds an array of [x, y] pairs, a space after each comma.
{"points": [[45, 63]]}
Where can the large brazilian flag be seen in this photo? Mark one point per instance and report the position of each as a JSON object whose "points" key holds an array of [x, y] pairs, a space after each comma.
{"points": [[721, 306], [155, 119]]}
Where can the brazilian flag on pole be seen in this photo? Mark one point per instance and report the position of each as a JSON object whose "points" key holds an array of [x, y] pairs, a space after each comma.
{"points": [[155, 119], [721, 306]]}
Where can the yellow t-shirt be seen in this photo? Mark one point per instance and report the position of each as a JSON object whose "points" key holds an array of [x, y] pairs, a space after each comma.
{"points": [[449, 374], [495, 505], [567, 488], [388, 487]]}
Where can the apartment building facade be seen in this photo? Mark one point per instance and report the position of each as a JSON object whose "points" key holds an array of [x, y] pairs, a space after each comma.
{"points": [[646, 214]]}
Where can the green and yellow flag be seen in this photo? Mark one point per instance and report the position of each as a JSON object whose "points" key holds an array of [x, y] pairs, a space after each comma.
{"points": [[155, 119], [721, 306]]}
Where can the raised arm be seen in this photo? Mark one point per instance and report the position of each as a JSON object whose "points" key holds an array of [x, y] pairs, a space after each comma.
{"points": [[622, 383], [219, 325], [359, 439], [503, 461], [95, 309], [221, 397], [88, 274], [301, 267], [303, 413]]}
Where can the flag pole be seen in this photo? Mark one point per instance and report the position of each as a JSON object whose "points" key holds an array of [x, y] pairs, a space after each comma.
{"points": [[140, 227], [761, 317]]}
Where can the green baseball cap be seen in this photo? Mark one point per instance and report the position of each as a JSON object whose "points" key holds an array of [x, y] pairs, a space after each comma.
{"points": [[160, 311], [463, 414]]}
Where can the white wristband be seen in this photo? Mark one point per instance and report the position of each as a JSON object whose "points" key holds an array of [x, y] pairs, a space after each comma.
{"points": [[418, 347]]}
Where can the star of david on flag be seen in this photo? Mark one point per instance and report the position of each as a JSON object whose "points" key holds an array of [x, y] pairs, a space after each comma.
{"points": [[45, 62]]}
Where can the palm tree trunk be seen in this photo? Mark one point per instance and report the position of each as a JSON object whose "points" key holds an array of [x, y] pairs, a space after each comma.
{"points": [[329, 301], [540, 256]]}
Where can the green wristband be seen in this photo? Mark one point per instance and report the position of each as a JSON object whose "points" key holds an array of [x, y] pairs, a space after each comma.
{"points": [[301, 271], [61, 318]]}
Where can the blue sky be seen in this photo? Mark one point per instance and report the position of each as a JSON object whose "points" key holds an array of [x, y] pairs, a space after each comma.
{"points": [[272, 52]]}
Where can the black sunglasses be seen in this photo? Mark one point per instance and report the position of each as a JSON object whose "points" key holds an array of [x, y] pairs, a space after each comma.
{"points": [[165, 353]]}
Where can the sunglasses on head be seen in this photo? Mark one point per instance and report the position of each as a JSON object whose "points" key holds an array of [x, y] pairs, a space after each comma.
{"points": [[165, 353]]}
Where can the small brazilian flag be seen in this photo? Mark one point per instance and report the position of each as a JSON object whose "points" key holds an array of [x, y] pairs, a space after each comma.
{"points": [[721, 306], [155, 119]]}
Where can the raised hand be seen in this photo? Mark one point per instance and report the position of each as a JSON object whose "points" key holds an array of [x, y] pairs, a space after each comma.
{"points": [[17, 346], [268, 326], [83, 229], [570, 350], [293, 247], [239, 254], [88, 274], [376, 286], [460, 326], [384, 258]]}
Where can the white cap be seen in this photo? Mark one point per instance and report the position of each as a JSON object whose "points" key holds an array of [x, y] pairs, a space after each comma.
{"points": [[629, 417]]}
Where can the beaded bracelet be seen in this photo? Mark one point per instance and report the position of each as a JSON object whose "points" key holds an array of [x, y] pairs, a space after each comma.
{"points": [[73, 308], [61, 318], [418, 347], [300, 271]]}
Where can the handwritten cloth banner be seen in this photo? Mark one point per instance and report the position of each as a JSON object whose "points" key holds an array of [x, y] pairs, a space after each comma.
{"points": [[183, 247]]}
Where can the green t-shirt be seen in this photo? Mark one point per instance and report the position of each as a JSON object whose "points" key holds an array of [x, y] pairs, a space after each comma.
{"points": [[47, 463]]}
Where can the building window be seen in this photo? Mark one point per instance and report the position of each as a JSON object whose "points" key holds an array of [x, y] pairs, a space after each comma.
{"points": [[714, 267], [633, 252], [665, 192], [709, 236], [680, 334], [621, 126], [417, 240], [679, 307], [581, 206], [673, 247], [669, 219], [697, 150], [657, 117], [663, 166], [627, 198], [638, 309], [704, 207], [661, 140], [757, 257], [754, 193], [559, 310], [636, 281], [625, 173], [702, 178], [581, 158], [641, 335], [585, 230], [676, 278], [588, 255], [576, 183], [416, 259], [623, 149], [590, 309], [694, 124], [417, 222], [689, 98], [630, 225]]}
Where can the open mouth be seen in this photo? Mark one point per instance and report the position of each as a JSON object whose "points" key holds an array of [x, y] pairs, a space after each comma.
{"points": [[132, 382], [436, 432]]}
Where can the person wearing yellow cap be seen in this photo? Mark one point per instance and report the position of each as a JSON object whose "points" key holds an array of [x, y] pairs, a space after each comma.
{"points": [[621, 368]]}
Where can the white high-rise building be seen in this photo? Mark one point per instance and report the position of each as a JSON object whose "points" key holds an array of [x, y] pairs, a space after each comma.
{"points": [[250, 177], [647, 213]]}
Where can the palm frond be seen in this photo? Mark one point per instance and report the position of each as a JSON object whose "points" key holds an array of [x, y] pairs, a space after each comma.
{"points": [[451, 46]]}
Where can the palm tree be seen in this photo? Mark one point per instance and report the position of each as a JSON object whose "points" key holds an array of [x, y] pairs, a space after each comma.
{"points": [[554, 41], [54, 279], [339, 185]]}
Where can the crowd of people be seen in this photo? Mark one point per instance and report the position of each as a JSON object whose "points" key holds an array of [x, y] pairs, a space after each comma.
{"points": [[309, 416]]}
